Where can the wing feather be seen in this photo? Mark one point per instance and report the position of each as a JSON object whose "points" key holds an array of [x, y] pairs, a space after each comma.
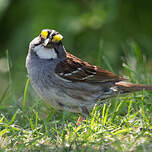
{"points": [[74, 69]]}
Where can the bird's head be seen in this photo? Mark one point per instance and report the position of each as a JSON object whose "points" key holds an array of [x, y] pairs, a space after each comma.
{"points": [[48, 44]]}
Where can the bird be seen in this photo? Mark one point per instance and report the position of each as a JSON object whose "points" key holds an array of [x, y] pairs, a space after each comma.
{"points": [[68, 83]]}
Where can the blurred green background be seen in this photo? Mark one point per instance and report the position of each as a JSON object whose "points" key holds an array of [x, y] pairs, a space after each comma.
{"points": [[94, 30]]}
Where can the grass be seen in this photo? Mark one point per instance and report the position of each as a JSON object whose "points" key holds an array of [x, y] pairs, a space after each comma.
{"points": [[121, 124]]}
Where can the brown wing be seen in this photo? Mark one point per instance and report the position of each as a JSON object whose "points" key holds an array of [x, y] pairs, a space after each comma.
{"points": [[74, 69]]}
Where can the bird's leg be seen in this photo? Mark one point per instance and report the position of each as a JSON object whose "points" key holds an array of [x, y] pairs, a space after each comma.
{"points": [[79, 121], [84, 111]]}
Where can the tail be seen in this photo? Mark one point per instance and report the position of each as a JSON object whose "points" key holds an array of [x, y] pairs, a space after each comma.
{"points": [[126, 87]]}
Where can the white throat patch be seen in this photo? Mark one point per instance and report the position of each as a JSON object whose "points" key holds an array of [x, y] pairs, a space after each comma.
{"points": [[45, 53]]}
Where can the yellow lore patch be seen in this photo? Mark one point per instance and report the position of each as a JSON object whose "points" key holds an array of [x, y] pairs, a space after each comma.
{"points": [[57, 38], [44, 33]]}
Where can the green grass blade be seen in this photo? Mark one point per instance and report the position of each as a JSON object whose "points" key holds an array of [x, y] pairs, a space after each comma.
{"points": [[13, 118], [129, 108], [31, 123], [25, 92], [4, 94], [4, 131], [106, 115], [137, 50], [107, 64], [103, 113], [142, 110], [36, 119], [128, 68], [9, 69]]}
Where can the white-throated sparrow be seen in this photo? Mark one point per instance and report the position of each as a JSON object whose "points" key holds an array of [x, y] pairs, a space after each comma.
{"points": [[65, 81]]}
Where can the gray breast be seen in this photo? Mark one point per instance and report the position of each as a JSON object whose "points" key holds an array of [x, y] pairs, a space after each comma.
{"points": [[48, 85]]}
